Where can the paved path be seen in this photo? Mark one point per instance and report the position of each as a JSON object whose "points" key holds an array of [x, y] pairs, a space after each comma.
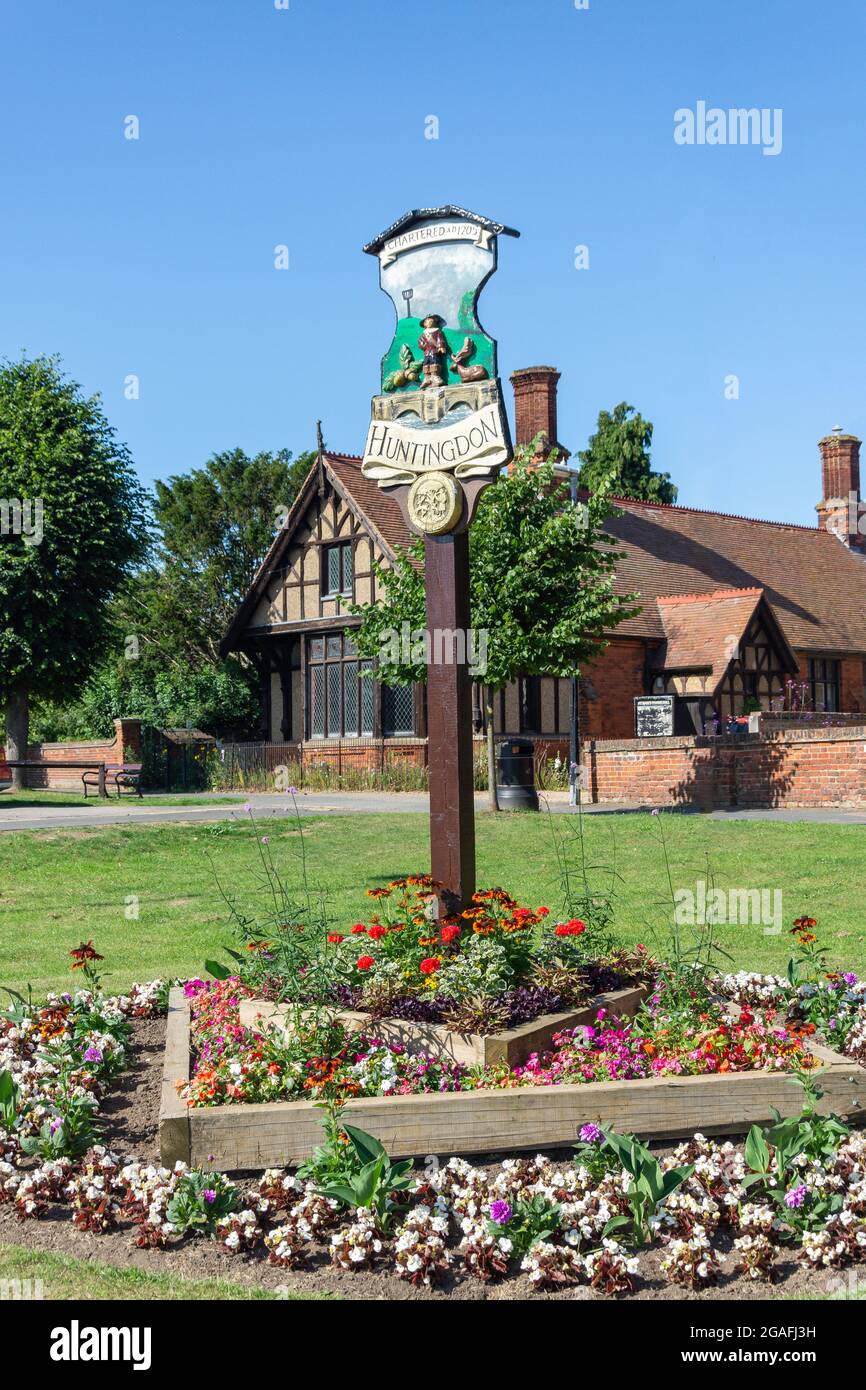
{"points": [[335, 804]]}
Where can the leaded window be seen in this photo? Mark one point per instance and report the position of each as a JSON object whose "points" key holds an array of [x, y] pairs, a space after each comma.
{"points": [[337, 569], [339, 695], [398, 710]]}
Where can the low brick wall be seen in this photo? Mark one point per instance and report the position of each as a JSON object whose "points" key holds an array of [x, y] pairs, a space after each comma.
{"points": [[124, 747], [796, 767]]}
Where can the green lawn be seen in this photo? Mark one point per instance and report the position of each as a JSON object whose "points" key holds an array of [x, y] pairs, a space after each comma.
{"points": [[60, 886], [63, 1277], [11, 799]]}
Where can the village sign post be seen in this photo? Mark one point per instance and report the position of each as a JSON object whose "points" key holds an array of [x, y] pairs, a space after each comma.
{"points": [[438, 436]]}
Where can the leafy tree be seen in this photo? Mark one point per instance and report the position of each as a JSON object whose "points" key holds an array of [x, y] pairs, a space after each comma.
{"points": [[618, 453], [221, 697], [163, 664], [59, 454], [541, 588], [217, 523]]}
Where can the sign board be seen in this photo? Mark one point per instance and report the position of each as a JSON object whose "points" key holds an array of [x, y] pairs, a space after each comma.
{"points": [[438, 430], [654, 716]]}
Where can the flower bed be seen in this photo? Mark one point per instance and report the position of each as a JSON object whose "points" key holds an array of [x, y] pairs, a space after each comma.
{"points": [[236, 1062], [714, 1213], [438, 1041], [418, 1106], [494, 968]]}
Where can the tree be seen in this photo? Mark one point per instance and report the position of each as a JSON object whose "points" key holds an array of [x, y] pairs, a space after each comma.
{"points": [[216, 524], [60, 462], [618, 453], [541, 589]]}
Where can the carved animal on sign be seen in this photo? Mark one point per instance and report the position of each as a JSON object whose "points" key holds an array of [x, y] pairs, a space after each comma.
{"points": [[459, 360]]}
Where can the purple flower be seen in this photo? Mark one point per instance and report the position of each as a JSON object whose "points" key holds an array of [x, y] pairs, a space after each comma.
{"points": [[849, 977], [55, 1125], [500, 1212], [266, 839], [796, 1197], [93, 1054], [591, 1134], [209, 1195]]}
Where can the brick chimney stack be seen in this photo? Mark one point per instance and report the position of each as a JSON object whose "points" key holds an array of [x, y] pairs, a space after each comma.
{"points": [[535, 409], [839, 509]]}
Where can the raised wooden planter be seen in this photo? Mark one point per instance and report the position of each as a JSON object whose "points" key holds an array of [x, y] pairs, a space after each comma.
{"points": [[513, 1046], [251, 1137]]}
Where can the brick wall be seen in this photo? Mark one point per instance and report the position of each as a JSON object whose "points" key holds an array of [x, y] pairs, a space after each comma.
{"points": [[124, 747], [803, 767], [608, 689]]}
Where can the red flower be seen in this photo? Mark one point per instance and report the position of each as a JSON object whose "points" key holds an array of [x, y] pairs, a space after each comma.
{"points": [[365, 962], [449, 934], [376, 932], [358, 929], [335, 938], [543, 911], [573, 928], [83, 953], [430, 965]]}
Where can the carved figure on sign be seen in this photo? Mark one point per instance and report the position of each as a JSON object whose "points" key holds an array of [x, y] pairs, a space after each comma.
{"points": [[460, 359], [434, 347]]}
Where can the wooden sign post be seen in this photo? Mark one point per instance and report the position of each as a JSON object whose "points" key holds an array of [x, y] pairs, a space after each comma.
{"points": [[449, 724], [438, 435]]}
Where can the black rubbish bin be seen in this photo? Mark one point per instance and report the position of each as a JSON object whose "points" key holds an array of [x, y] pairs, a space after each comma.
{"points": [[515, 776]]}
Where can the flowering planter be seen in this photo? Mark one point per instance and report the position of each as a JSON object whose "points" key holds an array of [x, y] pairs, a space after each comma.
{"points": [[513, 1046], [251, 1137]]}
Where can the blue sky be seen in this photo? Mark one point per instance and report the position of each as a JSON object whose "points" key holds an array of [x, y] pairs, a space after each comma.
{"points": [[305, 126]]}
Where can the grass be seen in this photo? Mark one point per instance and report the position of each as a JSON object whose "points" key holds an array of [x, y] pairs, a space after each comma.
{"points": [[63, 1277], [76, 799], [61, 886]]}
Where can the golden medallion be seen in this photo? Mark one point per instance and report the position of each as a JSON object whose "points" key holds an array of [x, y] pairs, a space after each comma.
{"points": [[435, 503]]}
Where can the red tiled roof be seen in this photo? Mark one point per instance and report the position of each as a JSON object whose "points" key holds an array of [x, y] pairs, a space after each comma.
{"points": [[816, 587], [814, 584], [701, 630]]}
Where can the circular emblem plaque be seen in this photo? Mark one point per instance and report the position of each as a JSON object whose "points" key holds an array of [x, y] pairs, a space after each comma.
{"points": [[435, 503]]}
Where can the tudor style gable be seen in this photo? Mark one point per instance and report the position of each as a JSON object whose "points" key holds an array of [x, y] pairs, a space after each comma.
{"points": [[296, 627]]}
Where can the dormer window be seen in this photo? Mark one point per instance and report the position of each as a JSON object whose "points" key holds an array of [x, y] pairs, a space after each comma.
{"points": [[337, 570]]}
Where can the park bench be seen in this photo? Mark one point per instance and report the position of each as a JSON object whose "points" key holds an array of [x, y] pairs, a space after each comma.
{"points": [[117, 775], [96, 770]]}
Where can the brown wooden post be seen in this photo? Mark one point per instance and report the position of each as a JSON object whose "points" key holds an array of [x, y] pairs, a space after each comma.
{"points": [[449, 722], [103, 791]]}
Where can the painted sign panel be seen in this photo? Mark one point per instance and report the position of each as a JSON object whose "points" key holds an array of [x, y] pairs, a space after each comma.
{"points": [[654, 716], [440, 407]]}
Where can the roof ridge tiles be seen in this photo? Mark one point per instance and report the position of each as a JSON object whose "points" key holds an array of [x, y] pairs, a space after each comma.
{"points": [[710, 594], [631, 502]]}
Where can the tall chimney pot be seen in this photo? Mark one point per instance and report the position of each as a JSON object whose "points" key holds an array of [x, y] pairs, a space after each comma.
{"points": [[839, 509], [535, 409]]}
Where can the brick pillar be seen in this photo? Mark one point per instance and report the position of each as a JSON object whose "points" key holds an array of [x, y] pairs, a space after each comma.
{"points": [[535, 409], [839, 508], [127, 738]]}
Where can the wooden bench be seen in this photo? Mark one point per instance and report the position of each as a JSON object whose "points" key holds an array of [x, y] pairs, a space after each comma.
{"points": [[118, 775], [97, 769]]}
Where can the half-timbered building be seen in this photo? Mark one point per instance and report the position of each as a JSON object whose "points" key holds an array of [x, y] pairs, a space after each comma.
{"points": [[735, 614]]}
